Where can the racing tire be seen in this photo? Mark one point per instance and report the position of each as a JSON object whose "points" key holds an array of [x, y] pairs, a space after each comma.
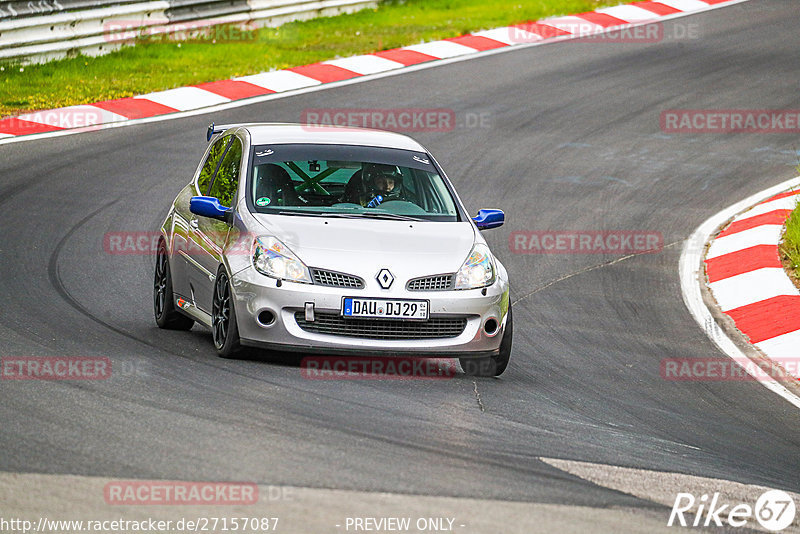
{"points": [[166, 314], [492, 365], [224, 328]]}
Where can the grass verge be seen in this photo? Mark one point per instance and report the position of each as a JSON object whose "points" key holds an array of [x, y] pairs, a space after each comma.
{"points": [[156, 64], [790, 247]]}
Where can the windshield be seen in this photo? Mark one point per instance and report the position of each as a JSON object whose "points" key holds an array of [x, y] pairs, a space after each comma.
{"points": [[348, 181]]}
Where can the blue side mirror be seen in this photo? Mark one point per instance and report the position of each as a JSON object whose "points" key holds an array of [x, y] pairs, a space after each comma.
{"points": [[208, 207], [489, 218]]}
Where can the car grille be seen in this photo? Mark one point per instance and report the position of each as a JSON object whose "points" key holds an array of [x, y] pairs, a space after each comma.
{"points": [[439, 282], [333, 324], [333, 279]]}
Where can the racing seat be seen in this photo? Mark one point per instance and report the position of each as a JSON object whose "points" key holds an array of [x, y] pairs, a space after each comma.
{"points": [[273, 182], [354, 191]]}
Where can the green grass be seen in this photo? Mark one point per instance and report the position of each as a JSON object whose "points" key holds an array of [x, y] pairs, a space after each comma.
{"points": [[791, 242], [157, 64], [790, 248]]}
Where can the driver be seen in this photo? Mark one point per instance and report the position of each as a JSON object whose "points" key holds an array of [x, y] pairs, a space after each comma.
{"points": [[384, 181]]}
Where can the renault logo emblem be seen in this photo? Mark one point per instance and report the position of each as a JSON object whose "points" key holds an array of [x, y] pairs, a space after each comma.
{"points": [[385, 278]]}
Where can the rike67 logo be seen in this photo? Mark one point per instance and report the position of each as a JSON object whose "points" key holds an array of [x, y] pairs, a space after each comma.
{"points": [[774, 510]]}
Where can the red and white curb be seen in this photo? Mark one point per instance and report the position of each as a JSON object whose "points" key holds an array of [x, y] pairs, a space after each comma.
{"points": [[742, 268], [216, 95], [747, 279]]}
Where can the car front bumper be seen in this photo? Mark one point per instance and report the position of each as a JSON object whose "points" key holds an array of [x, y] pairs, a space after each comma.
{"points": [[255, 293]]}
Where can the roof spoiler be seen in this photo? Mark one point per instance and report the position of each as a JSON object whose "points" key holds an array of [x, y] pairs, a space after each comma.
{"points": [[213, 130]]}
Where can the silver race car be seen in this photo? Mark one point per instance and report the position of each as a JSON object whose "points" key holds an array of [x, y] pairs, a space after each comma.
{"points": [[331, 240]]}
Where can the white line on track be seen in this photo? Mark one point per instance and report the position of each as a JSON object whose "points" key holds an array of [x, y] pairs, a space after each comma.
{"points": [[691, 275], [662, 487]]}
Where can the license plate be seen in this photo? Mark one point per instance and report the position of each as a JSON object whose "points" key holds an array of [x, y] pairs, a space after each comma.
{"points": [[385, 308]]}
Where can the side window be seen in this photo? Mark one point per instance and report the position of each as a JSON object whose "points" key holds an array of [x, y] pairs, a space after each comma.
{"points": [[227, 180], [214, 155]]}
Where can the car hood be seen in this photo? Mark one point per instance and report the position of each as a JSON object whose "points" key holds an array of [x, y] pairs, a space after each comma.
{"points": [[364, 246]]}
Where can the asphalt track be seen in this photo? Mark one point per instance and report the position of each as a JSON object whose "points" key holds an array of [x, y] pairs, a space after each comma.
{"points": [[574, 143]]}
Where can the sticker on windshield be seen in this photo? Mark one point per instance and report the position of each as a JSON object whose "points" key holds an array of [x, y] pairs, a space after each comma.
{"points": [[266, 152], [422, 160], [263, 201]]}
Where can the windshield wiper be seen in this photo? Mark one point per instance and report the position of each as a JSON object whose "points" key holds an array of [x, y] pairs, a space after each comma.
{"points": [[315, 214], [385, 215], [364, 215]]}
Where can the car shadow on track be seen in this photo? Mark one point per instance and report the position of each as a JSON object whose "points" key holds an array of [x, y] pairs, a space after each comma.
{"points": [[321, 366], [332, 367]]}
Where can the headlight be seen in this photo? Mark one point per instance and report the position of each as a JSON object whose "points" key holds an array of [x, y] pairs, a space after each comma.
{"points": [[478, 269], [274, 259]]}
